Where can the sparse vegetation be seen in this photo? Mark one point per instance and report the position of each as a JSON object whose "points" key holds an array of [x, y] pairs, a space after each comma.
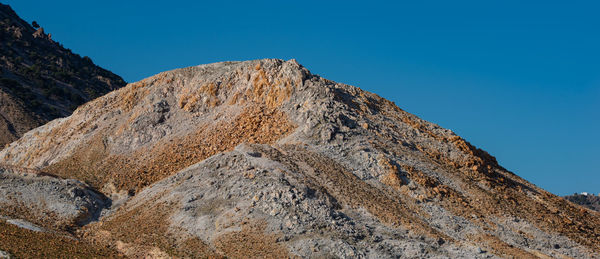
{"points": [[24, 243]]}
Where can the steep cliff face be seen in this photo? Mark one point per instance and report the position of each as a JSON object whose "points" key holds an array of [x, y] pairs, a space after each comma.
{"points": [[263, 159], [40, 80]]}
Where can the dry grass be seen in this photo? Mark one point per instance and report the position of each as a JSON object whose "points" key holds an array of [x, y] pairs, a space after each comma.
{"points": [[250, 242], [23, 243], [93, 164], [38, 216], [144, 230]]}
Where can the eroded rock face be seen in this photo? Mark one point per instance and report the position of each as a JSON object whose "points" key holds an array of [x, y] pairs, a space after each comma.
{"points": [[149, 130], [260, 201], [263, 159]]}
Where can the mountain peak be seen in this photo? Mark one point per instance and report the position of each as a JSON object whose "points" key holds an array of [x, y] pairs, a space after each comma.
{"points": [[296, 165]]}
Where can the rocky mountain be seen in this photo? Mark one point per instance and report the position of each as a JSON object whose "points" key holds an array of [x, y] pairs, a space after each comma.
{"points": [[264, 159], [40, 80], [587, 200]]}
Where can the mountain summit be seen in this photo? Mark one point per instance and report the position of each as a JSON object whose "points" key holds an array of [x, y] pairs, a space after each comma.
{"points": [[40, 80], [264, 159]]}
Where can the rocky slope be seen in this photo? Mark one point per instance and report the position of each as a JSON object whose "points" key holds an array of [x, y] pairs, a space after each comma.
{"points": [[47, 200], [264, 159], [40, 80], [589, 201]]}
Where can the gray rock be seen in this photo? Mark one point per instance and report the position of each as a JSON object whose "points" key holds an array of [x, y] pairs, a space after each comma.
{"points": [[47, 200], [356, 177], [25, 224]]}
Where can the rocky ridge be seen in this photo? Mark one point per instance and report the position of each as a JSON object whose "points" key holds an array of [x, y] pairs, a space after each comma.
{"points": [[264, 159], [40, 80], [589, 201]]}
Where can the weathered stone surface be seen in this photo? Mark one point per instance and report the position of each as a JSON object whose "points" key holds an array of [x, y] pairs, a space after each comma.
{"points": [[48, 201], [263, 159]]}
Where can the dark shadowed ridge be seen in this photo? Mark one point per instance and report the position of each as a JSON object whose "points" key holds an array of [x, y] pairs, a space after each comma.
{"points": [[40, 80]]}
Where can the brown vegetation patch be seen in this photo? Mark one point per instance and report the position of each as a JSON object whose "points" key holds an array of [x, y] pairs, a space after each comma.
{"points": [[24, 243], [93, 164], [250, 242], [84, 164], [38, 216], [144, 230]]}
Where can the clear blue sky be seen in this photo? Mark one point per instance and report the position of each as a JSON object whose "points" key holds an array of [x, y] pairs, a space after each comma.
{"points": [[520, 80]]}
